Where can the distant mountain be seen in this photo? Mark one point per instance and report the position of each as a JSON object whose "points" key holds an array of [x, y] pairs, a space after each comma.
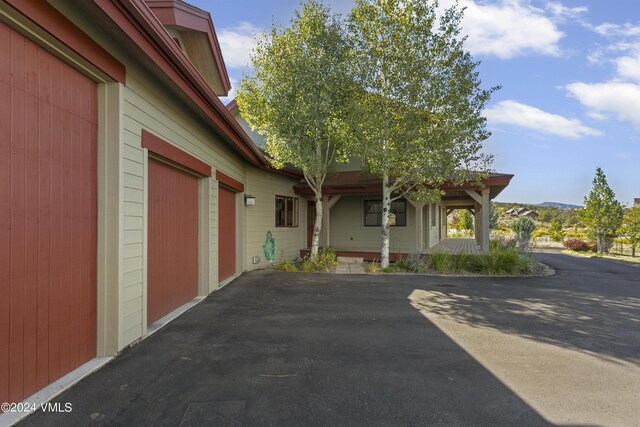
{"points": [[557, 205]]}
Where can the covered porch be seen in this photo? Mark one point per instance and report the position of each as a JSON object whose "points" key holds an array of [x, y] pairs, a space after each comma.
{"points": [[349, 209], [456, 246]]}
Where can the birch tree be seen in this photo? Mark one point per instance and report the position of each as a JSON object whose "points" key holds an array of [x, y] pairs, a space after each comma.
{"points": [[299, 95], [419, 120]]}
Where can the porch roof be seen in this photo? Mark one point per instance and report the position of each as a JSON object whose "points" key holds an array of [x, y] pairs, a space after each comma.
{"points": [[355, 182]]}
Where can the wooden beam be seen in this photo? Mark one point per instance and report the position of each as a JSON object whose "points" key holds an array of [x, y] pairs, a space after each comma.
{"points": [[332, 200], [474, 195], [327, 204]]}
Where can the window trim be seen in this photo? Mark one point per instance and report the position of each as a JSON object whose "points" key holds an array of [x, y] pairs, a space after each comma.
{"points": [[364, 213], [296, 211]]}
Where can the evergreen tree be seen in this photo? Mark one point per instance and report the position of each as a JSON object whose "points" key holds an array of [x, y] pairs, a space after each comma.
{"points": [[602, 214]]}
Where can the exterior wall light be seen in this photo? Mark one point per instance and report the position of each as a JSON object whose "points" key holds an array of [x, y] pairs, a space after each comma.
{"points": [[249, 200]]}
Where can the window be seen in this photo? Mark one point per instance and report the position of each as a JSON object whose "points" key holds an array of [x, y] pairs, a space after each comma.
{"points": [[286, 211], [433, 214], [373, 212]]}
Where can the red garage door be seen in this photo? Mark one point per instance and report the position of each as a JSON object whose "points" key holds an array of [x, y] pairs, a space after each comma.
{"points": [[226, 233], [173, 239], [48, 131]]}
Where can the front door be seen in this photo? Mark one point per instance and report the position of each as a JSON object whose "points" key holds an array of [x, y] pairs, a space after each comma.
{"points": [[311, 218]]}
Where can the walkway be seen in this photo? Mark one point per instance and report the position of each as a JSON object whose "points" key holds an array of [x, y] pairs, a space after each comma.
{"points": [[350, 265], [456, 246]]}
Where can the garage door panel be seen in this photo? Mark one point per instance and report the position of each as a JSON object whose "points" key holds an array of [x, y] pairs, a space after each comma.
{"points": [[173, 239], [48, 213], [5, 228], [55, 275], [17, 244], [31, 241], [44, 78], [44, 242], [31, 69], [17, 61], [5, 66]]}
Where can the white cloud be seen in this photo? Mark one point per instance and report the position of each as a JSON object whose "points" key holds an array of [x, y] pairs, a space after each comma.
{"points": [[563, 13], [628, 67], [515, 113], [510, 28], [237, 43], [232, 93], [608, 29], [622, 50], [596, 115], [616, 97]]}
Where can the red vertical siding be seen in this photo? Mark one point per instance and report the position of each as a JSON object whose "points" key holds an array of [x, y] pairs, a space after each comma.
{"points": [[172, 239], [226, 233], [5, 214], [48, 213]]}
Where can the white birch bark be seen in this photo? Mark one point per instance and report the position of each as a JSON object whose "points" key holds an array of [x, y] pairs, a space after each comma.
{"points": [[317, 226], [386, 207]]}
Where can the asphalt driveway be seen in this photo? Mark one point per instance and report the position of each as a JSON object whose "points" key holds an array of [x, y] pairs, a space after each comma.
{"points": [[321, 349]]}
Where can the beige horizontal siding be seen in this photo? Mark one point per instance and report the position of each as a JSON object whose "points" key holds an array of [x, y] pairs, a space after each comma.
{"points": [[147, 105], [348, 232], [260, 218]]}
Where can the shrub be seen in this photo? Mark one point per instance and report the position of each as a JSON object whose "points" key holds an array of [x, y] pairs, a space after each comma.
{"points": [[399, 265], [286, 266], [299, 261], [523, 228], [388, 269], [308, 267], [540, 233], [437, 262], [372, 267], [458, 263], [505, 257], [325, 260], [414, 263], [576, 245], [556, 232]]}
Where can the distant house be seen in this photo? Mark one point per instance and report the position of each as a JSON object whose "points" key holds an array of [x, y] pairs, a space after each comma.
{"points": [[636, 202], [521, 212]]}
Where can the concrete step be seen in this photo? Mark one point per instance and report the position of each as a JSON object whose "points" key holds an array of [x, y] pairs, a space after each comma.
{"points": [[350, 260]]}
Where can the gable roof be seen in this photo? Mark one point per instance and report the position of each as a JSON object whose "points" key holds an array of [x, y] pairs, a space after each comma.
{"points": [[199, 38]]}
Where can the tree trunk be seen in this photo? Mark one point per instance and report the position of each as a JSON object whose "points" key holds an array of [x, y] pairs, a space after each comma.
{"points": [[600, 244], [317, 226], [633, 251], [386, 206]]}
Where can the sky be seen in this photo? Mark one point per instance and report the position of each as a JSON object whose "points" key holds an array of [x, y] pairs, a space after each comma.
{"points": [[570, 77]]}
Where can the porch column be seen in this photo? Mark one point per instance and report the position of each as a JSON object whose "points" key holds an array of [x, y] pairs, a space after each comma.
{"points": [[419, 207], [481, 217], [477, 224], [486, 211], [326, 219], [445, 220]]}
